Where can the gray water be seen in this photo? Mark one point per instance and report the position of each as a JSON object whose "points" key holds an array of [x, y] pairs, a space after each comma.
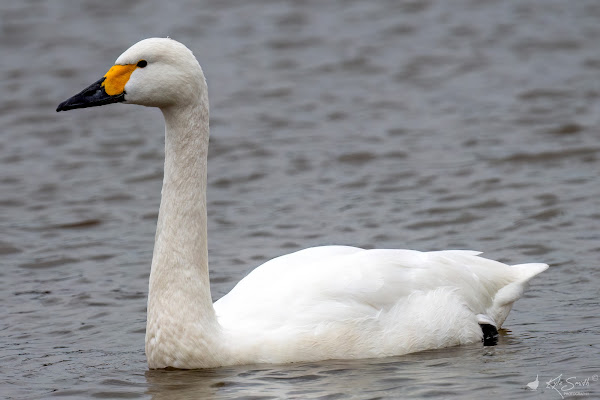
{"points": [[398, 124]]}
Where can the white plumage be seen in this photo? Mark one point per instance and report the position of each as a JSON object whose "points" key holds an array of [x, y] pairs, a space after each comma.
{"points": [[346, 302], [318, 303]]}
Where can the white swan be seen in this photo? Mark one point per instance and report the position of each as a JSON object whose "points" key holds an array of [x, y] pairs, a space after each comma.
{"points": [[319, 303]]}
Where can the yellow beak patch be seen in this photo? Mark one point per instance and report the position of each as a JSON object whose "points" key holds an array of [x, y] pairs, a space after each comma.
{"points": [[117, 77]]}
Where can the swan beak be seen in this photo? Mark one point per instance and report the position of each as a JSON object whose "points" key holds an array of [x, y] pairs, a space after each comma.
{"points": [[92, 96], [109, 89]]}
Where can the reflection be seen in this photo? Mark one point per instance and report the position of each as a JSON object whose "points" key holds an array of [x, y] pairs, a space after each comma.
{"points": [[184, 384], [258, 381], [412, 374]]}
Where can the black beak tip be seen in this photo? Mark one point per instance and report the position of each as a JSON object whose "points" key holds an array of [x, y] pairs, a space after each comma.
{"points": [[61, 106], [68, 104]]}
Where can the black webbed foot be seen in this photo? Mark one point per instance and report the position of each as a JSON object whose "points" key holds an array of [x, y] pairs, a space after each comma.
{"points": [[490, 334]]}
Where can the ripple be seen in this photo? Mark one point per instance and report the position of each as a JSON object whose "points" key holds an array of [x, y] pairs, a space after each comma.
{"points": [[85, 223], [361, 157], [52, 263], [566, 129], [7, 248], [545, 156], [464, 218]]}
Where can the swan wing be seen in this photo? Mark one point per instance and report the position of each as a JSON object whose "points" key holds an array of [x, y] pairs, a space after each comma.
{"points": [[334, 283]]}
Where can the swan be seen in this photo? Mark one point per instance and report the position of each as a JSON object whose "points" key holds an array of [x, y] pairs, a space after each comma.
{"points": [[328, 302]]}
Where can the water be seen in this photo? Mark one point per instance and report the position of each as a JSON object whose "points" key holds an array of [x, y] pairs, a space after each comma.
{"points": [[413, 124]]}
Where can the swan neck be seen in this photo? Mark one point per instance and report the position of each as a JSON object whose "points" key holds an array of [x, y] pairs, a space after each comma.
{"points": [[181, 250], [179, 298]]}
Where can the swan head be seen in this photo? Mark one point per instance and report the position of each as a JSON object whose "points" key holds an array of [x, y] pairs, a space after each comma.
{"points": [[155, 72]]}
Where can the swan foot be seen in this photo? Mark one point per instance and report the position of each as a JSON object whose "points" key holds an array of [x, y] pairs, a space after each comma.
{"points": [[490, 334]]}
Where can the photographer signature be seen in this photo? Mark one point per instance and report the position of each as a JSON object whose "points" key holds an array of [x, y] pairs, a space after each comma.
{"points": [[570, 386]]}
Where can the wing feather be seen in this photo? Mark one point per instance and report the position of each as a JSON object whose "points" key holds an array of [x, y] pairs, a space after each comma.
{"points": [[336, 283]]}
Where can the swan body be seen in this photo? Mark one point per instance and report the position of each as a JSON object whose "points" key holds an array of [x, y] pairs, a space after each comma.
{"points": [[319, 303]]}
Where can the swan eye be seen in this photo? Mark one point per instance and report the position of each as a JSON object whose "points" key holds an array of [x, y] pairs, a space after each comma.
{"points": [[142, 63]]}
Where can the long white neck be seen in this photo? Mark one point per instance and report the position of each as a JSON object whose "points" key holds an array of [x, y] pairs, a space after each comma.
{"points": [[181, 318]]}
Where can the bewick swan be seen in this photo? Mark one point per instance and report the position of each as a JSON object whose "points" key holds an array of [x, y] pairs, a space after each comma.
{"points": [[330, 302]]}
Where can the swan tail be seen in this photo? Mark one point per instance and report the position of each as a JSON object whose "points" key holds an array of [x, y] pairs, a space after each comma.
{"points": [[525, 272], [506, 296]]}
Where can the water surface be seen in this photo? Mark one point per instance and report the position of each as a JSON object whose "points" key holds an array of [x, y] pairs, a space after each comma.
{"points": [[412, 124]]}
